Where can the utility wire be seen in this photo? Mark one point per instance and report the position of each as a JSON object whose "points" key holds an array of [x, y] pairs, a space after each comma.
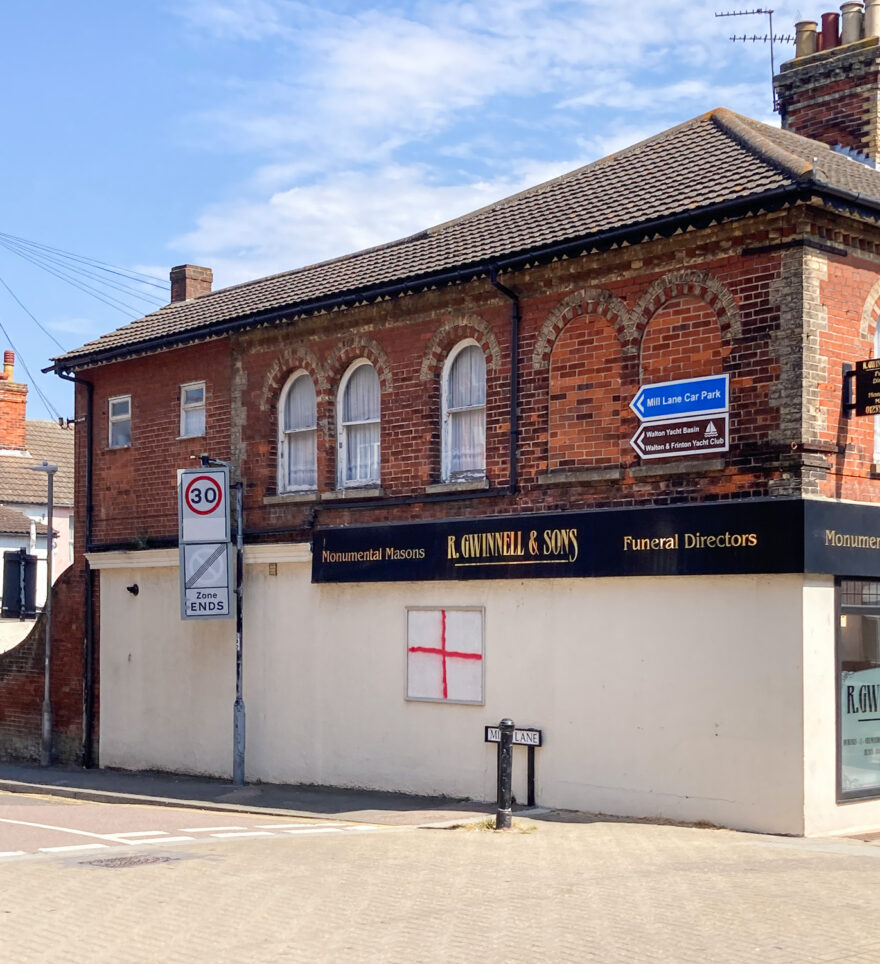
{"points": [[50, 408], [149, 278], [27, 311], [44, 260]]}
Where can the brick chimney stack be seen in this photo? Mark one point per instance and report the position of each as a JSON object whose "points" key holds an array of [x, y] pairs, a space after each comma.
{"points": [[830, 91], [190, 281], [13, 405]]}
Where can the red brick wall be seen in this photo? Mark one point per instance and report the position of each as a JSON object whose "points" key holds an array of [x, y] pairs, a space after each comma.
{"points": [[22, 681]]}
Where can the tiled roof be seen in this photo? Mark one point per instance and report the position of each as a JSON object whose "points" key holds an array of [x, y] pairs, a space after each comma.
{"points": [[716, 159], [14, 523], [46, 441]]}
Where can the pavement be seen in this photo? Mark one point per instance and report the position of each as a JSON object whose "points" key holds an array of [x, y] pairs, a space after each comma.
{"points": [[205, 793]]}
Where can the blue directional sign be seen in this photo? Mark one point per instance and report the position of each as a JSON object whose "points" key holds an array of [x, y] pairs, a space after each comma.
{"points": [[689, 396]]}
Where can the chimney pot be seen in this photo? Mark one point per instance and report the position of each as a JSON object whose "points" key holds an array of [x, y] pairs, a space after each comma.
{"points": [[806, 39], [851, 22], [872, 18], [830, 30], [190, 281], [8, 364]]}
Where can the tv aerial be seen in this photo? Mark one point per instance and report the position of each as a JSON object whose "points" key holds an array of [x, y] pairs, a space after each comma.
{"points": [[768, 37]]}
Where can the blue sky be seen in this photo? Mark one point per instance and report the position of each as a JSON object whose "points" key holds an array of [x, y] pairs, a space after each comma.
{"points": [[253, 136]]}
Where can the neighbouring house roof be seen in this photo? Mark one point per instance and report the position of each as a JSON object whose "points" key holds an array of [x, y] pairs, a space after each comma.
{"points": [[14, 523], [46, 441], [720, 163]]}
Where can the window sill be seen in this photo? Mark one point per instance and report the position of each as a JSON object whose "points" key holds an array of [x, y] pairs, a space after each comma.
{"points": [[678, 467], [189, 438], [612, 473], [463, 485], [353, 492], [291, 498]]}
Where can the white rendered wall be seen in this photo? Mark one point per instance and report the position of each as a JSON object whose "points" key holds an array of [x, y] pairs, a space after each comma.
{"points": [[676, 697]]}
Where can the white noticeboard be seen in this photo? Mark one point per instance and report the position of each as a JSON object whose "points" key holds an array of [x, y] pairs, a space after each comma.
{"points": [[206, 580], [203, 501]]}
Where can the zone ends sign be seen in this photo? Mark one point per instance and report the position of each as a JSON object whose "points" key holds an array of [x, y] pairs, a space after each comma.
{"points": [[203, 500]]}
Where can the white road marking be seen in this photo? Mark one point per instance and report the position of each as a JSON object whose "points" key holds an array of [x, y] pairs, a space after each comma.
{"points": [[47, 826], [245, 833], [139, 833], [159, 840], [208, 829], [305, 830], [301, 823], [12, 853], [85, 846], [365, 826]]}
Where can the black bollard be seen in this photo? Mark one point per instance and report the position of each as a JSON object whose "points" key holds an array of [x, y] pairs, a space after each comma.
{"points": [[504, 817]]}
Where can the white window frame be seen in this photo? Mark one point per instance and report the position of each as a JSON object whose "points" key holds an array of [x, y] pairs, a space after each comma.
{"points": [[283, 436], [117, 419], [191, 407], [342, 435], [447, 414]]}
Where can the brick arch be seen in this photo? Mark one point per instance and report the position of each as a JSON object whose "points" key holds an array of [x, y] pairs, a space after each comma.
{"points": [[449, 334], [588, 301], [350, 350], [689, 284], [291, 360], [869, 313]]}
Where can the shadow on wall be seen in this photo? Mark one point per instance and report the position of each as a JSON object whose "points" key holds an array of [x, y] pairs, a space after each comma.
{"points": [[22, 681]]}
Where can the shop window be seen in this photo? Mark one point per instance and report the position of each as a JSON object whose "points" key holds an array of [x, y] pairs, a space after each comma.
{"points": [[858, 659], [444, 655], [120, 421], [297, 435], [464, 413], [359, 427], [192, 410]]}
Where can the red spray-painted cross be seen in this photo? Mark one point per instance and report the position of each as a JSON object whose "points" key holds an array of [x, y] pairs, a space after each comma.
{"points": [[443, 652]]}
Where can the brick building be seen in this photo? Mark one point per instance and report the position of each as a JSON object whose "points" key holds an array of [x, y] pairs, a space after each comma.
{"points": [[578, 458]]}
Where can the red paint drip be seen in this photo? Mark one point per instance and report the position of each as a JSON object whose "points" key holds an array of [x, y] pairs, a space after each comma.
{"points": [[443, 647]]}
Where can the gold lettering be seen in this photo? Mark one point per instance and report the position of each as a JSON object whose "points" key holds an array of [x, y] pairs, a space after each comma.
{"points": [[451, 552]]}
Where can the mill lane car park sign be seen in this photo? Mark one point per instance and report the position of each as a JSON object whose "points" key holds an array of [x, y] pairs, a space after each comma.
{"points": [[682, 418], [689, 396], [205, 549]]}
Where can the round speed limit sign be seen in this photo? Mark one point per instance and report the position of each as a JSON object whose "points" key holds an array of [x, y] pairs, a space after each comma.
{"points": [[204, 505], [203, 495]]}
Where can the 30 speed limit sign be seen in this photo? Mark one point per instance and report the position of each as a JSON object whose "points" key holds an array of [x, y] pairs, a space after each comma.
{"points": [[204, 505]]}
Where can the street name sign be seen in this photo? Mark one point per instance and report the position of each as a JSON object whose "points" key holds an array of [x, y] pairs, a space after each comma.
{"points": [[203, 500], [689, 396], [682, 438], [206, 580], [521, 737]]}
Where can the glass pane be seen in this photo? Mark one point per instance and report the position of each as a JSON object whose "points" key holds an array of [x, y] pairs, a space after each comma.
{"points": [[194, 422], [300, 410], [467, 436], [362, 453], [194, 396], [361, 402], [119, 407], [467, 379], [302, 472], [860, 592], [859, 702], [120, 433]]}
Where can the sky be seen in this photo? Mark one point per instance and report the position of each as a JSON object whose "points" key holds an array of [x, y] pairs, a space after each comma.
{"points": [[255, 136]]}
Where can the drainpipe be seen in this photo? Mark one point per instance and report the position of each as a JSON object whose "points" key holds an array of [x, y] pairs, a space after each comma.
{"points": [[89, 656], [514, 375]]}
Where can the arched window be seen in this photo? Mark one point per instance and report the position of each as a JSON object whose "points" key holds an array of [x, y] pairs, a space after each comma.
{"points": [[877, 417], [297, 435], [359, 411], [464, 413]]}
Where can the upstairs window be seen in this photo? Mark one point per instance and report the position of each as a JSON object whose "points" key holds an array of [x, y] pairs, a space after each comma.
{"points": [[192, 410], [120, 421], [464, 414], [359, 427], [298, 433]]}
